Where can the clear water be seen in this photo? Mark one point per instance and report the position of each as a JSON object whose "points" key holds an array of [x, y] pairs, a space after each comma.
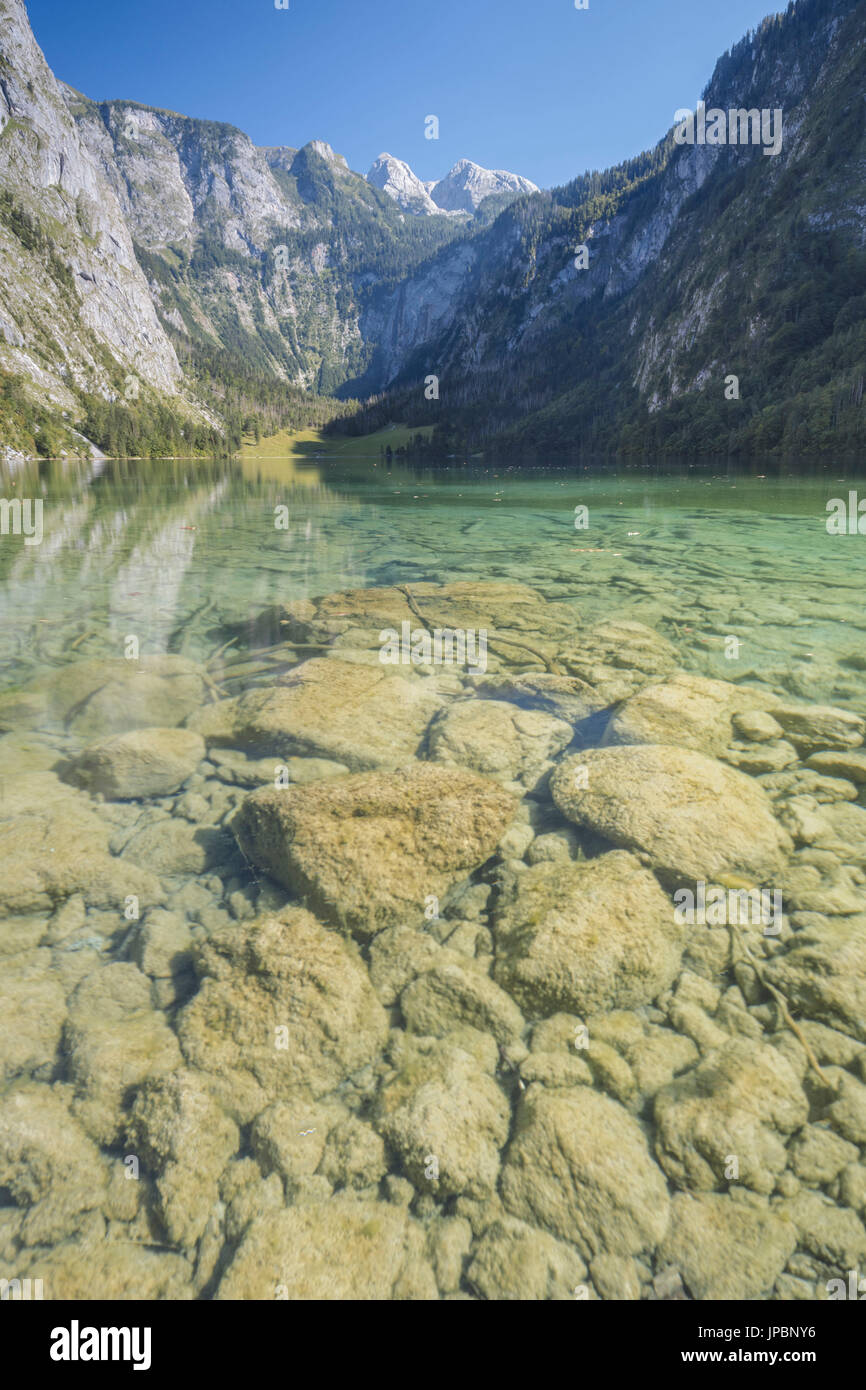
{"points": [[177, 553], [185, 556]]}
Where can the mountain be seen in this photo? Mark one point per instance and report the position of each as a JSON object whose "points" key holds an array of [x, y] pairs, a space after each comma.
{"points": [[395, 178], [463, 189], [75, 309], [467, 185], [167, 284], [704, 262]]}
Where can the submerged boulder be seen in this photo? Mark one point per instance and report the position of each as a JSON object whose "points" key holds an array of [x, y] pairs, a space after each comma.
{"points": [[823, 973], [116, 1040], [499, 740], [336, 1250], [53, 845], [738, 1106], [687, 711], [284, 1004], [691, 816], [586, 937], [579, 1167], [368, 851], [109, 695], [726, 1249], [445, 1115], [144, 762], [363, 716]]}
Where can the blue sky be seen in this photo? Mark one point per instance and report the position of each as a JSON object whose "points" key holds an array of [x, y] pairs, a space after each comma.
{"points": [[534, 86]]}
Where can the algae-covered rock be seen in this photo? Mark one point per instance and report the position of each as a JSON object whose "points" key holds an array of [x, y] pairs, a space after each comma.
{"points": [[368, 851], [691, 816], [53, 845], [363, 716], [517, 1262], [109, 695], [726, 1249], [832, 1233], [353, 1155], [586, 936], [48, 1165], [338, 1250], [397, 956], [499, 740], [184, 1139], [113, 1271], [823, 973], [33, 1009], [686, 711], [579, 1166], [143, 762], [735, 1108], [448, 995], [816, 727], [115, 1040], [283, 1004], [446, 1117], [567, 697]]}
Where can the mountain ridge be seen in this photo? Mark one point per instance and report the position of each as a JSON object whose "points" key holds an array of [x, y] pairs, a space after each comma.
{"points": [[164, 268]]}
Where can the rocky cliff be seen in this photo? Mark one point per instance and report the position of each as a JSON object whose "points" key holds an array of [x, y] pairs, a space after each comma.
{"points": [[75, 308]]}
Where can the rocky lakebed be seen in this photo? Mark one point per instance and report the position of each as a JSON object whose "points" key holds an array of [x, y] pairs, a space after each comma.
{"points": [[325, 978]]}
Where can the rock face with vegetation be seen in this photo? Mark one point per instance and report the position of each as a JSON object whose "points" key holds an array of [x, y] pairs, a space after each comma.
{"points": [[134, 238]]}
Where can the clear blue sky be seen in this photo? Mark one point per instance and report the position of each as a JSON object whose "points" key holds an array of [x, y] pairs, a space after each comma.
{"points": [[534, 86]]}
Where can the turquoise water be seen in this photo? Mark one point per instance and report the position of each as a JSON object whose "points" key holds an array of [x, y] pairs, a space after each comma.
{"points": [[732, 574], [180, 554]]}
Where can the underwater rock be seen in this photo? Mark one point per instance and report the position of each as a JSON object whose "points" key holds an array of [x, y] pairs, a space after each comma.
{"points": [[107, 696], [114, 1271], [115, 1040], [171, 847], [618, 657], [586, 936], [53, 845], [816, 727], [338, 1250], [499, 740], [363, 716], [161, 945], [843, 832], [849, 764], [566, 697], [289, 1137], [445, 1115], [368, 851], [141, 763], [448, 995], [33, 1010], [517, 1262], [832, 1233], [353, 1155], [184, 1139], [687, 711], [823, 973], [48, 1165], [726, 1248], [502, 608], [578, 1166], [397, 956], [757, 726], [817, 1155], [283, 1004], [237, 769], [739, 1103], [691, 816]]}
